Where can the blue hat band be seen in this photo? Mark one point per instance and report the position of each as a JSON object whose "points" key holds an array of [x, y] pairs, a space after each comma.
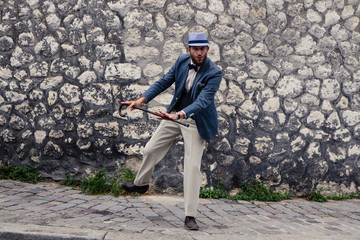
{"points": [[198, 41]]}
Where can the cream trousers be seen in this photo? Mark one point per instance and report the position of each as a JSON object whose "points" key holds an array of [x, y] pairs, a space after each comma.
{"points": [[159, 145]]}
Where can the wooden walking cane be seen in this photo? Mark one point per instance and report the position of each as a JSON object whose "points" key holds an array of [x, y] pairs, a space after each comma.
{"points": [[154, 113]]}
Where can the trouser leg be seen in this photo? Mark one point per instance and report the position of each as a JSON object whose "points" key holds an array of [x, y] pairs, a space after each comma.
{"points": [[155, 150], [194, 148]]}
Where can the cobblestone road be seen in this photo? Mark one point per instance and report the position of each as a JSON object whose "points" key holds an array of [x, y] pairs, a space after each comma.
{"points": [[161, 216]]}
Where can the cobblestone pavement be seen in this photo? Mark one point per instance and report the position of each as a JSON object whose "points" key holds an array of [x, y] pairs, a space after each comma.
{"points": [[161, 216]]}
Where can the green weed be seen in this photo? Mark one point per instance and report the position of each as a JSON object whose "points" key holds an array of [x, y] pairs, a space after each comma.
{"points": [[253, 190], [20, 173], [97, 184], [250, 191], [125, 175], [343, 196], [216, 193], [317, 196], [70, 181], [101, 183]]}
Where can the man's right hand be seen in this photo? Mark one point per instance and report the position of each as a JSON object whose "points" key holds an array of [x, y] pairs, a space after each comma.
{"points": [[136, 103]]}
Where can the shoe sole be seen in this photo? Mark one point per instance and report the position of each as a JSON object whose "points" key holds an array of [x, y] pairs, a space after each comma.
{"points": [[132, 191], [141, 192], [193, 229]]}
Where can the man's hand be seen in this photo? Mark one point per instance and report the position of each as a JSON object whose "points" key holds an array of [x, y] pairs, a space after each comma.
{"points": [[136, 103], [173, 116]]}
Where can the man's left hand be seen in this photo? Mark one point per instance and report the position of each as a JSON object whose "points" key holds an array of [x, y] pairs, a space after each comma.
{"points": [[172, 116]]}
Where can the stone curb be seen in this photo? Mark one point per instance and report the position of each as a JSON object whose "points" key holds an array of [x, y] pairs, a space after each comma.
{"points": [[10, 231]]}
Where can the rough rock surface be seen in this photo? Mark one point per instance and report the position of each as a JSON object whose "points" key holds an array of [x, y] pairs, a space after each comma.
{"points": [[289, 102]]}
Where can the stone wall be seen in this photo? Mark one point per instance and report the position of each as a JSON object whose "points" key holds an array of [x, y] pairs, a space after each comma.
{"points": [[289, 102]]}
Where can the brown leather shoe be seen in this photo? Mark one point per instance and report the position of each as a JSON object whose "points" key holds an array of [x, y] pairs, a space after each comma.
{"points": [[190, 223], [131, 187]]}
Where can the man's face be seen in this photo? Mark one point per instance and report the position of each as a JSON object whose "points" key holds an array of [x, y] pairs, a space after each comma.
{"points": [[198, 54]]}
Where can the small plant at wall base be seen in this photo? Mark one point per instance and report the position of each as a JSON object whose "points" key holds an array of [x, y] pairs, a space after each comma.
{"points": [[216, 193], [70, 181], [253, 190], [317, 196], [97, 184], [101, 183], [20, 173], [125, 175], [250, 191], [343, 196]]}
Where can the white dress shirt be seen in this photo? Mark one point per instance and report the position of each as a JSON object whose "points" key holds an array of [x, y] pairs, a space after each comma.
{"points": [[191, 77]]}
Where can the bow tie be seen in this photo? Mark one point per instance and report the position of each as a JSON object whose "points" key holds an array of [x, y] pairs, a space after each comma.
{"points": [[192, 66]]}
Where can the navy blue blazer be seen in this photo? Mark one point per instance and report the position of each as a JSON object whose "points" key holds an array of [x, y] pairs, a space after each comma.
{"points": [[206, 83]]}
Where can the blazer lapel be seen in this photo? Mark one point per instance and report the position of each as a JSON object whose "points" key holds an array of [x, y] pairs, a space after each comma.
{"points": [[199, 76], [184, 69]]}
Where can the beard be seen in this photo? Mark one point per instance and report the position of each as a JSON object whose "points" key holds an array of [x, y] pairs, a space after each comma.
{"points": [[198, 63]]}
